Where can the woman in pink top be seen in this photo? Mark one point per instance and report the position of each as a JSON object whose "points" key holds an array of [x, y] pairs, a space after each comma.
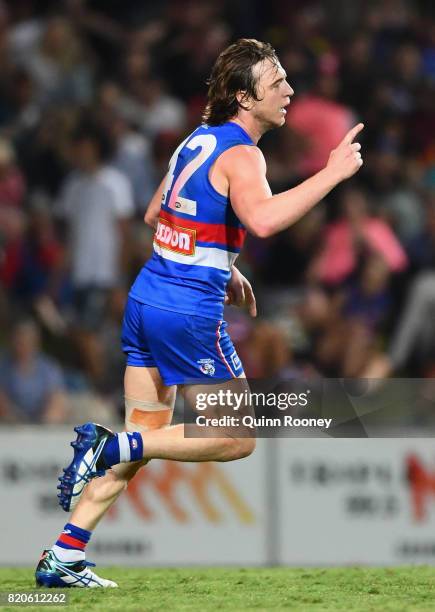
{"points": [[344, 239]]}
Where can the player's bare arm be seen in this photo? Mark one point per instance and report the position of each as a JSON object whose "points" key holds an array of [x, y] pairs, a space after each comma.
{"points": [[152, 214], [243, 168]]}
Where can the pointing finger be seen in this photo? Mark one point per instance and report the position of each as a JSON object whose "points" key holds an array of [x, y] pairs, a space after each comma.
{"points": [[352, 133]]}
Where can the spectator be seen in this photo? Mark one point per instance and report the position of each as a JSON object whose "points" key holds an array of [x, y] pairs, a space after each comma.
{"points": [[41, 281], [152, 108], [12, 229], [133, 158], [262, 347], [322, 121], [421, 249], [354, 233], [96, 203], [31, 384], [58, 66], [414, 335], [357, 73], [349, 335], [20, 111], [12, 185]]}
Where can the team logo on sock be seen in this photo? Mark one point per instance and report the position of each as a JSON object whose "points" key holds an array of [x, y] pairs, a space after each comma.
{"points": [[132, 441], [207, 366]]}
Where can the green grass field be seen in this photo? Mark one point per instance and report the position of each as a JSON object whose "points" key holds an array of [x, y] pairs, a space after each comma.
{"points": [[173, 590]]}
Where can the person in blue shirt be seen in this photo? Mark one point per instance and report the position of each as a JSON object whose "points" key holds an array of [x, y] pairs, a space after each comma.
{"points": [[174, 334], [31, 384]]}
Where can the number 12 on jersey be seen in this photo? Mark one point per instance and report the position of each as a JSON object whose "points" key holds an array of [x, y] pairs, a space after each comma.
{"points": [[206, 144]]}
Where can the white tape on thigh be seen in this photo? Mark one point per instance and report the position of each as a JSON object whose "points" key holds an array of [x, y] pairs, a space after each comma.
{"points": [[132, 404]]}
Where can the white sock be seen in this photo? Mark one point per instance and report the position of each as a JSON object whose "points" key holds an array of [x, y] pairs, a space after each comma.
{"points": [[68, 554]]}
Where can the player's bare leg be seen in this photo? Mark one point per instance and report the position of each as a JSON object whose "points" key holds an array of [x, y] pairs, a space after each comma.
{"points": [[98, 449], [65, 565], [190, 442], [149, 406], [172, 444], [153, 410]]}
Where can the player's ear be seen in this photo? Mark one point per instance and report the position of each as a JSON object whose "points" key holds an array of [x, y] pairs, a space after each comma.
{"points": [[244, 100]]}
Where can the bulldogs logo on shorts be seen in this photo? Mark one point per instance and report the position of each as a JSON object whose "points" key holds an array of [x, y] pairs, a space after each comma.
{"points": [[207, 366]]}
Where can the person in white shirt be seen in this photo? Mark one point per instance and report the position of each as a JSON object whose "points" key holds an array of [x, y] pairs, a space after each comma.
{"points": [[96, 203]]}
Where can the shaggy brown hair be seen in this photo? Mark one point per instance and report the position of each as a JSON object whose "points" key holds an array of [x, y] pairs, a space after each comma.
{"points": [[231, 74]]}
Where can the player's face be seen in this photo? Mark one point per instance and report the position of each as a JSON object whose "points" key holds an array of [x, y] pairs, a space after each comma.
{"points": [[274, 94]]}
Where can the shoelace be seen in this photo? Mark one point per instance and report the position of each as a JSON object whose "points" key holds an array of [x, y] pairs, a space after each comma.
{"points": [[90, 564]]}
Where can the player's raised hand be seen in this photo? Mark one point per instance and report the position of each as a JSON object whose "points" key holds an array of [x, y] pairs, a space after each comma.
{"points": [[346, 159]]}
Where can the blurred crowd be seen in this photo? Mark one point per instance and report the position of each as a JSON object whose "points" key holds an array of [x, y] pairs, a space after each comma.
{"points": [[95, 96]]}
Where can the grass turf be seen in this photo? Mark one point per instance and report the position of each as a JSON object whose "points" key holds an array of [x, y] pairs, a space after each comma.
{"points": [[400, 589]]}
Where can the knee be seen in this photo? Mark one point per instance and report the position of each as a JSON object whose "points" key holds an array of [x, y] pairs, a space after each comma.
{"points": [[246, 447], [237, 448]]}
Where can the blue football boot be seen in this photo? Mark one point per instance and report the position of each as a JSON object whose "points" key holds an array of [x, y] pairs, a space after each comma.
{"points": [[88, 462]]}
